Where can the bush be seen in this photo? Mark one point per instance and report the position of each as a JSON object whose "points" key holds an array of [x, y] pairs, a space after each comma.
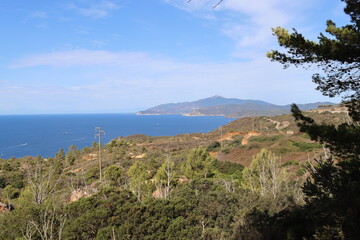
{"points": [[7, 167], [301, 172], [230, 169], [305, 146], [236, 143], [2, 182], [92, 175], [114, 174], [262, 139], [290, 163], [213, 147], [226, 150]]}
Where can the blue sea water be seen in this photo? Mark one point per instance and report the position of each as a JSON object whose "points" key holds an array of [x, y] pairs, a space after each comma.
{"points": [[32, 135]]}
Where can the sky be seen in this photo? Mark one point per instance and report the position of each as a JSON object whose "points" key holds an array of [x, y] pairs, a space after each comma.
{"points": [[121, 56]]}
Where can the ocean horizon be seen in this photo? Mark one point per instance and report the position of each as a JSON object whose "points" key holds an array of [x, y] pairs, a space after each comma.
{"points": [[45, 134]]}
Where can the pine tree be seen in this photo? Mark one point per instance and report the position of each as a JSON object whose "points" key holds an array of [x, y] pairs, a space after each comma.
{"points": [[338, 55], [333, 191], [199, 164]]}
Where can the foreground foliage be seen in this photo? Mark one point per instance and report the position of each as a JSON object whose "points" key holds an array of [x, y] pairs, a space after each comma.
{"points": [[197, 198], [332, 209]]}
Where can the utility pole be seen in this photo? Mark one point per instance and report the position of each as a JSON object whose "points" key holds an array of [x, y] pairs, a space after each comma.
{"points": [[221, 140], [98, 134]]}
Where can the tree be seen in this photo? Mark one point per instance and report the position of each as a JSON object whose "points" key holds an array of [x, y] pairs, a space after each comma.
{"points": [[265, 175], [42, 180], [337, 55], [9, 193], [45, 222], [165, 177], [199, 164], [114, 174], [139, 179], [333, 191], [60, 155], [72, 155]]}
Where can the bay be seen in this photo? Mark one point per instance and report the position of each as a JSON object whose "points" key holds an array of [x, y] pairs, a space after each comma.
{"points": [[32, 135]]}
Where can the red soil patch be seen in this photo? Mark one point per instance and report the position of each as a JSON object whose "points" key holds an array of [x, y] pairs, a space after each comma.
{"points": [[229, 136], [249, 135]]}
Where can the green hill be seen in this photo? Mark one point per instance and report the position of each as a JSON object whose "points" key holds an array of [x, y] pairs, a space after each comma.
{"points": [[184, 186]]}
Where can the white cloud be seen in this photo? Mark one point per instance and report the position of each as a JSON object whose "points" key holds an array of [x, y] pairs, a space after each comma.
{"points": [[75, 58], [248, 22], [262, 15], [126, 79], [39, 14], [98, 10], [78, 58], [42, 25], [98, 43]]}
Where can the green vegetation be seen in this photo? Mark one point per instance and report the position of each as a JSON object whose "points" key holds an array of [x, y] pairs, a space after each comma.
{"points": [[305, 146], [185, 187], [228, 170], [332, 190], [199, 164], [262, 139], [178, 194], [213, 147]]}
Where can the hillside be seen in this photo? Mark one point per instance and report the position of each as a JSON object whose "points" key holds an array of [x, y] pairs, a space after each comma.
{"points": [[187, 107], [240, 110], [229, 107], [159, 187]]}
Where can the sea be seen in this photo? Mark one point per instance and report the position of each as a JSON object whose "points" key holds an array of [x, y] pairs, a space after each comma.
{"points": [[33, 135]]}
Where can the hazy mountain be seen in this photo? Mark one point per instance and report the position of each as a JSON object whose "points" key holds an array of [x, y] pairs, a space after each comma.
{"points": [[187, 107], [220, 106], [240, 110]]}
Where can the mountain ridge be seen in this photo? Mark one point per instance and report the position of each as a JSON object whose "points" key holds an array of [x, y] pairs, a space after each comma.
{"points": [[228, 107]]}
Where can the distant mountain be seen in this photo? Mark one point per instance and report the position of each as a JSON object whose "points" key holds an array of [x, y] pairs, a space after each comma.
{"points": [[187, 107], [240, 110], [230, 107]]}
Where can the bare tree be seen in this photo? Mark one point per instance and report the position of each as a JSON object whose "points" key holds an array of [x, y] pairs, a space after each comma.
{"points": [[265, 174], [29, 231], [229, 185], [48, 225], [42, 180], [165, 176]]}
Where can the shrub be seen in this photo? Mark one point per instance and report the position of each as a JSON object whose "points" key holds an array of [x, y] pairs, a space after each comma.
{"points": [[213, 147]]}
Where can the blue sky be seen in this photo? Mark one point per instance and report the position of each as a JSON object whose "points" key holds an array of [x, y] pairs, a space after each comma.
{"points": [[87, 56]]}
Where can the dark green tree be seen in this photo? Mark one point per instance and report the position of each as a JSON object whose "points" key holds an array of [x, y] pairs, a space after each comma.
{"points": [[332, 193], [72, 155], [338, 56], [60, 155], [115, 175]]}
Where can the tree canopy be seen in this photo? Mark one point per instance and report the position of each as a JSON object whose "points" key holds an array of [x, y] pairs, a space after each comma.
{"points": [[332, 207], [337, 54]]}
